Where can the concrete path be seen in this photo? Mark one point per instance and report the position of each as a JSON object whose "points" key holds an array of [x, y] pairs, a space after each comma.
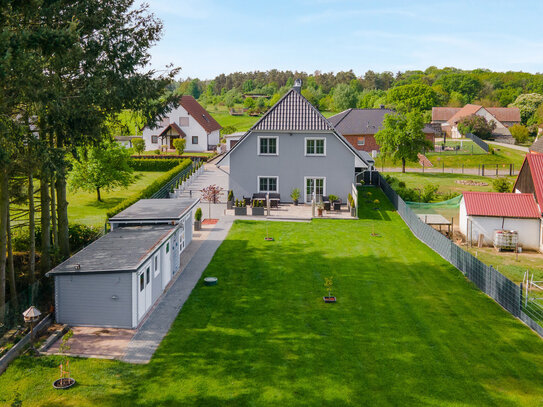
{"points": [[512, 146], [144, 344]]}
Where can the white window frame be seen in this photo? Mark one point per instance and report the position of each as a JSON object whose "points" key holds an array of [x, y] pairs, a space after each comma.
{"points": [[313, 177], [276, 146], [358, 143], [267, 176], [306, 139]]}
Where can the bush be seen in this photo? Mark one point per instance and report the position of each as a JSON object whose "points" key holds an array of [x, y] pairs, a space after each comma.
{"points": [[139, 145], [150, 190], [154, 164], [502, 185], [80, 236], [198, 214], [229, 129], [179, 145], [520, 133], [429, 193], [230, 196]]}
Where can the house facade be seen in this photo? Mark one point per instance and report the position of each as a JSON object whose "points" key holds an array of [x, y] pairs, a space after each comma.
{"points": [[189, 121], [359, 127], [503, 117], [293, 146]]}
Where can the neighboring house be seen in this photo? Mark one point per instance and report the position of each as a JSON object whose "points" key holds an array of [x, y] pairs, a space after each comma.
{"points": [[114, 281], [530, 177], [232, 139], [504, 117], [189, 121], [537, 146], [125, 141], [359, 126], [293, 146], [486, 212]]}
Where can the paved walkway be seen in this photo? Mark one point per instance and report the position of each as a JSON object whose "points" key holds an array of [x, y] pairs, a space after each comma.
{"points": [[512, 146], [150, 334]]}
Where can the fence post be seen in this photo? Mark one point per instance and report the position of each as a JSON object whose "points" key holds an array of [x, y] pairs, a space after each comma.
{"points": [[510, 170], [443, 164], [496, 170], [462, 168], [482, 170]]}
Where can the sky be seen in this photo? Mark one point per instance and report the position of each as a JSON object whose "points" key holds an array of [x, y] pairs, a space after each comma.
{"points": [[209, 37]]}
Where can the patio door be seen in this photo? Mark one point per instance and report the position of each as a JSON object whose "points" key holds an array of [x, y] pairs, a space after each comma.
{"points": [[314, 185], [144, 292]]}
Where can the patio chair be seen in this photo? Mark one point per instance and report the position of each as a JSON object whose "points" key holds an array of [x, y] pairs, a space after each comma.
{"points": [[247, 200], [326, 202]]}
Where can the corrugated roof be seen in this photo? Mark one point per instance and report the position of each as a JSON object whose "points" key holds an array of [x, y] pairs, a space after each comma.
{"points": [[293, 112], [363, 121], [444, 113], [503, 205], [201, 115], [535, 161], [537, 146]]}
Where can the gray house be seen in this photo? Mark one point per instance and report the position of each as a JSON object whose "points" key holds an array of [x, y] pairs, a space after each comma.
{"points": [[115, 280], [293, 146]]}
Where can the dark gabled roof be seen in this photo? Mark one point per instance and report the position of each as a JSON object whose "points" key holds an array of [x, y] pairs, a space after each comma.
{"points": [[201, 115], [537, 146], [175, 127], [363, 121], [293, 112], [123, 249]]}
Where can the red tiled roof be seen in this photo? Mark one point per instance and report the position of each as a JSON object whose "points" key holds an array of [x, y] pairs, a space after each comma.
{"points": [[201, 115], [443, 113], [175, 127], [535, 162], [467, 110], [505, 114], [508, 205]]}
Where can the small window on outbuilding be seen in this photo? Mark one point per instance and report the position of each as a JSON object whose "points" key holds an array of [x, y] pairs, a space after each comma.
{"points": [[142, 282], [167, 247]]}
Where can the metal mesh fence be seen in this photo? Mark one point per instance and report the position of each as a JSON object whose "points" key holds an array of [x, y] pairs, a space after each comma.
{"points": [[486, 278], [164, 192], [478, 141]]}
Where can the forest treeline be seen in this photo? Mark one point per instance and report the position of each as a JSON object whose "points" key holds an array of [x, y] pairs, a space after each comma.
{"points": [[339, 91]]}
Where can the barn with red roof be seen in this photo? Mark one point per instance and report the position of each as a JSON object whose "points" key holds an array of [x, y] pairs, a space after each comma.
{"points": [[483, 213]]}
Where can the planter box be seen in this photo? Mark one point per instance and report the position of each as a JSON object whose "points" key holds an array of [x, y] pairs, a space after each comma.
{"points": [[258, 211], [197, 225], [353, 212], [238, 211], [329, 299], [229, 204]]}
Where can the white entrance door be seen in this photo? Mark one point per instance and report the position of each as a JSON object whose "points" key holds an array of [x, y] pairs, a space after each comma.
{"points": [[141, 295], [148, 292], [314, 185]]}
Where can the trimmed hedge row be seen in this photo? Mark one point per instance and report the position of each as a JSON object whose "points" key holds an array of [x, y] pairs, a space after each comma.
{"points": [[150, 189], [142, 164]]}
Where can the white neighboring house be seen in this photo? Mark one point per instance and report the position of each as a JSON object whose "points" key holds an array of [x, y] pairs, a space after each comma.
{"points": [[189, 121], [232, 139], [485, 212], [125, 141]]}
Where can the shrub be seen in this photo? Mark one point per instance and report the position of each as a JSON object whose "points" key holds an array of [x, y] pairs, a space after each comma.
{"points": [[157, 152], [179, 145], [502, 185], [229, 129], [139, 145], [429, 193], [154, 164], [151, 189], [198, 214], [401, 184], [230, 196], [520, 133]]}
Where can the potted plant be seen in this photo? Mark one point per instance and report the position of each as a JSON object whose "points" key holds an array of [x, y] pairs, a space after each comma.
{"points": [[352, 206], [64, 381], [295, 196], [320, 209], [328, 284], [258, 208], [230, 200], [198, 219], [332, 198], [240, 208]]}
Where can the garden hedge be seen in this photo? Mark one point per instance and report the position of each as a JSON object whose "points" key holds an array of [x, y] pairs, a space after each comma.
{"points": [[154, 164], [150, 189]]}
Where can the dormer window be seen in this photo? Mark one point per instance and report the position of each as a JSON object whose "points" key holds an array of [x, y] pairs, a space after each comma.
{"points": [[267, 145], [315, 146]]}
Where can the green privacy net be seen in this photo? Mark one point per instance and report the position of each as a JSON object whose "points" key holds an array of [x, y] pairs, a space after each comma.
{"points": [[452, 203]]}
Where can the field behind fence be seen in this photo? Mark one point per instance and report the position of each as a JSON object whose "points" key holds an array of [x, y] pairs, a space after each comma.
{"points": [[485, 277]]}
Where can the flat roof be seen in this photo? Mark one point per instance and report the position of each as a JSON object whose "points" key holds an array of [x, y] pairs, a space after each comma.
{"points": [[148, 210], [122, 249], [433, 219]]}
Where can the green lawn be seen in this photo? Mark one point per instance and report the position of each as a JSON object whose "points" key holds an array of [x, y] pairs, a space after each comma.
{"points": [[446, 182], [408, 330], [502, 156], [84, 208]]}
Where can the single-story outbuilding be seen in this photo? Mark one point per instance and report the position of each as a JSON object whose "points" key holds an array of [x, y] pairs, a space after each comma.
{"points": [[232, 139], [115, 280], [486, 212]]}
